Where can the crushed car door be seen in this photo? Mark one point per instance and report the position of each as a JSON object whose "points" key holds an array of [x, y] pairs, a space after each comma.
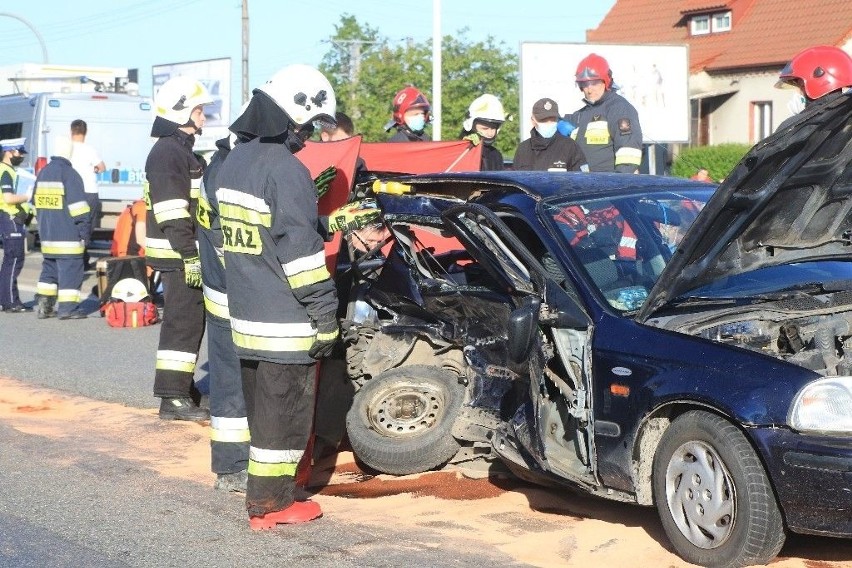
{"points": [[558, 435]]}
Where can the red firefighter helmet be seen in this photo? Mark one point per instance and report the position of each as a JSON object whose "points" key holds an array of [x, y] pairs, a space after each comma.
{"points": [[819, 70], [594, 67], [407, 99]]}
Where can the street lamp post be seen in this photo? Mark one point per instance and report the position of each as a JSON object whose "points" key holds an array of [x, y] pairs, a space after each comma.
{"points": [[35, 31]]}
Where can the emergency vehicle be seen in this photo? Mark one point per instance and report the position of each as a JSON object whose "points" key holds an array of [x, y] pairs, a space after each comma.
{"points": [[39, 101]]}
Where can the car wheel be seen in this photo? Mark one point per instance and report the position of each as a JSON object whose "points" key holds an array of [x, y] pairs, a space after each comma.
{"points": [[401, 420], [713, 496]]}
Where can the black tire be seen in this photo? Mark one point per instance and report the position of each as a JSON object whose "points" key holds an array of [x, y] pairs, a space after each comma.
{"points": [[713, 496], [401, 420]]}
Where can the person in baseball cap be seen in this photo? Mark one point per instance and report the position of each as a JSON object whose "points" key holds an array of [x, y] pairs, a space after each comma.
{"points": [[546, 149]]}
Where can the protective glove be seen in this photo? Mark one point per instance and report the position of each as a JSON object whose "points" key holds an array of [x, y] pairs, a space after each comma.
{"points": [[564, 127], [328, 334], [474, 138], [192, 271], [352, 216], [324, 179]]}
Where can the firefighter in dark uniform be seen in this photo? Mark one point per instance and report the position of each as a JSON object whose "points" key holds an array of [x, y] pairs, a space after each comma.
{"points": [[411, 114], [229, 431], [607, 127], [281, 298], [170, 245], [65, 227], [485, 116], [546, 149]]}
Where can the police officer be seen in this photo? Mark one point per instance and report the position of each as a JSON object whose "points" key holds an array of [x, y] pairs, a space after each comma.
{"points": [[547, 149], [281, 299], [607, 127], [65, 227], [411, 114], [816, 73], [229, 430], [13, 217], [170, 245]]}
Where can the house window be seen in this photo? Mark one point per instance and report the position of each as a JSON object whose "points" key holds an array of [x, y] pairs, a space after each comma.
{"points": [[721, 22], [700, 25], [761, 120], [710, 23]]}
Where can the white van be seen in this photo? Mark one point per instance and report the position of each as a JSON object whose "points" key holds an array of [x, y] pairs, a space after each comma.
{"points": [[119, 128]]}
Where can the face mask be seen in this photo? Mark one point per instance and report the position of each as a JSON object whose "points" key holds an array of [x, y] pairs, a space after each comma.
{"points": [[546, 129], [416, 123], [797, 103], [17, 160]]}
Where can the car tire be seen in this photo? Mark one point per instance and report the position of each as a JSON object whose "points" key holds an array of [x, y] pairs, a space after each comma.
{"points": [[401, 420], [713, 496]]}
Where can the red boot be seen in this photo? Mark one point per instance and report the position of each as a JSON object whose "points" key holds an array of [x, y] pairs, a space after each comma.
{"points": [[298, 512]]}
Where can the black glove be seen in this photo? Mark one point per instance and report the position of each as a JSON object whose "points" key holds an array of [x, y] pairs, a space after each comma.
{"points": [[328, 334], [324, 179]]}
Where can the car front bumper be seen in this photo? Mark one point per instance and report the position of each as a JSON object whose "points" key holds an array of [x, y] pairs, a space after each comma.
{"points": [[812, 476]]}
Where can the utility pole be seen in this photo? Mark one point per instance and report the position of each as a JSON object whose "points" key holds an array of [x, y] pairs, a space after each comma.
{"points": [[353, 67], [436, 70], [245, 52]]}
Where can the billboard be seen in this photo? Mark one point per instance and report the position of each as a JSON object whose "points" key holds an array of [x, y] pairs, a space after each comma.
{"points": [[215, 74], [654, 78]]}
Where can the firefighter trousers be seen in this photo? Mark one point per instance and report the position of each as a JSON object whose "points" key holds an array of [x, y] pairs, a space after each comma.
{"points": [[61, 279], [180, 337], [280, 404], [13, 236], [229, 431]]}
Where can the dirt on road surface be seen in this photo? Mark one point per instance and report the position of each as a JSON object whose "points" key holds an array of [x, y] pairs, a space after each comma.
{"points": [[535, 526]]}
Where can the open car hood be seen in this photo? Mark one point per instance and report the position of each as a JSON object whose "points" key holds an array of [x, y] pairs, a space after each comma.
{"points": [[788, 200]]}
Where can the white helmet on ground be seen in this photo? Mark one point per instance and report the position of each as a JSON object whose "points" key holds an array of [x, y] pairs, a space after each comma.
{"points": [[129, 290], [487, 108], [303, 93], [177, 98]]}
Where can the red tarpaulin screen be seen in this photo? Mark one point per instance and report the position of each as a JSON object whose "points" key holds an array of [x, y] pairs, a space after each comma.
{"points": [[421, 157]]}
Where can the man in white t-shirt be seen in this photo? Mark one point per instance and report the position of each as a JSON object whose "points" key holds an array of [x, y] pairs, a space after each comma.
{"points": [[87, 162]]}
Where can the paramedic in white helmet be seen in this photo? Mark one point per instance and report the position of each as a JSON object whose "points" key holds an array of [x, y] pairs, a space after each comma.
{"points": [[170, 245], [485, 116], [281, 298]]}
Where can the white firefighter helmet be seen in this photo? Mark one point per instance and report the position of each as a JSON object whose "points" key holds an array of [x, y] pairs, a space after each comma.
{"points": [[303, 93], [484, 107], [177, 98], [129, 290]]}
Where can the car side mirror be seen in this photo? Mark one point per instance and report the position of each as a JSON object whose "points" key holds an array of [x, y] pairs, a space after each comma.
{"points": [[522, 329]]}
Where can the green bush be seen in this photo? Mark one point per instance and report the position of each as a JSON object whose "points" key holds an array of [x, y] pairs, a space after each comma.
{"points": [[719, 160]]}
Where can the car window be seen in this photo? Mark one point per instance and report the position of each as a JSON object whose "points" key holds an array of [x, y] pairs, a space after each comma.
{"points": [[624, 243]]}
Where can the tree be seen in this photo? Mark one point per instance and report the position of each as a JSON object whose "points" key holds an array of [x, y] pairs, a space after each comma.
{"points": [[366, 79]]}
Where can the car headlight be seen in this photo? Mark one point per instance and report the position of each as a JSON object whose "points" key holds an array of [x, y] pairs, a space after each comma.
{"points": [[824, 407]]}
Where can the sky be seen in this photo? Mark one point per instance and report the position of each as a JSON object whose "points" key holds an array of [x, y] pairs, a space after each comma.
{"points": [[144, 33]]}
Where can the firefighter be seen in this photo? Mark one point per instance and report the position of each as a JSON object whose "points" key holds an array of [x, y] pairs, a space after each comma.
{"points": [[65, 227], [485, 116], [607, 127], [815, 73], [281, 298], [229, 431], [411, 113], [13, 217], [170, 245]]}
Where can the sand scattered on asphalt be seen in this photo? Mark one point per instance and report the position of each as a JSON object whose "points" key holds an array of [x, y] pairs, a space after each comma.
{"points": [[535, 526]]}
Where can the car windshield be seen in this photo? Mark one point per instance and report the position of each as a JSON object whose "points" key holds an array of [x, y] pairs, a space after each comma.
{"points": [[623, 243]]}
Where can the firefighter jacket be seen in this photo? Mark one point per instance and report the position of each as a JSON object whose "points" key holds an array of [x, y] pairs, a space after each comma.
{"points": [[555, 154], [170, 170], [64, 217], [278, 284], [210, 242], [8, 179], [404, 134], [609, 134]]}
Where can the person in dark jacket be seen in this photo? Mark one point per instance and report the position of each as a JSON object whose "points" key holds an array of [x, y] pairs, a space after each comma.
{"points": [[174, 178], [64, 226], [607, 127], [411, 114], [14, 215], [281, 298], [485, 116], [546, 149]]}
